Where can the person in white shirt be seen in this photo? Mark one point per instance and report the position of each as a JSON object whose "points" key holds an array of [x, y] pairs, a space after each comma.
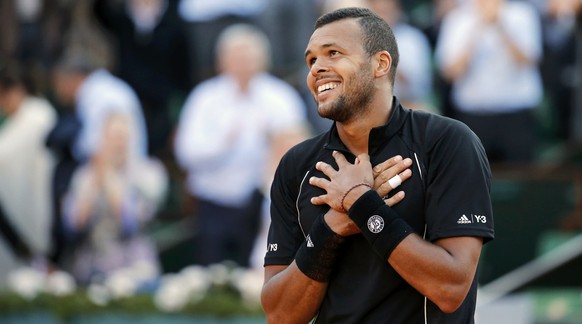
{"points": [[226, 129], [95, 93], [25, 168], [111, 199], [489, 50]]}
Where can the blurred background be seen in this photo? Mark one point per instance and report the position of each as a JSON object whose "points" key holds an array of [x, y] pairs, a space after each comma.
{"points": [[138, 139]]}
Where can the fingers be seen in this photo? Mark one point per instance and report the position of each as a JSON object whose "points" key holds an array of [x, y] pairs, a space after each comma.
{"points": [[383, 175], [392, 183], [395, 199], [321, 183], [395, 181], [396, 166], [319, 200], [327, 169], [386, 165], [340, 159]]}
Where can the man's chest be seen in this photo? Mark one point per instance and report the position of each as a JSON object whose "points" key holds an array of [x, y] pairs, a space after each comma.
{"points": [[411, 208]]}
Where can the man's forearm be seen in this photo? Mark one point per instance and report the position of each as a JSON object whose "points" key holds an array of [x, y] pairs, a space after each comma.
{"points": [[290, 296]]}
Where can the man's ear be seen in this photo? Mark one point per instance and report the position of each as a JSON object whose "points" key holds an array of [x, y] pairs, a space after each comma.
{"points": [[383, 63]]}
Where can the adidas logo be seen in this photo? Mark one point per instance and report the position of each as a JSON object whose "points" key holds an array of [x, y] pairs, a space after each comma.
{"points": [[464, 220], [309, 243]]}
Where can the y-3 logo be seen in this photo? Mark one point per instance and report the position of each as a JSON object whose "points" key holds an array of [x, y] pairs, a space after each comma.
{"points": [[480, 219], [272, 247]]}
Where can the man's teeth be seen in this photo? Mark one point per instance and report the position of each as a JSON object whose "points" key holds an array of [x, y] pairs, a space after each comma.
{"points": [[327, 86]]}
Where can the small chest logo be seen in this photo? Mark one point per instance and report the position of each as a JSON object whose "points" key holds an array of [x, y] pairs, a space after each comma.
{"points": [[375, 224]]}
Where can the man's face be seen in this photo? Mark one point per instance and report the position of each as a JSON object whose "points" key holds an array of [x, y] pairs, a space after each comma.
{"points": [[63, 83], [10, 99], [242, 59], [340, 76]]}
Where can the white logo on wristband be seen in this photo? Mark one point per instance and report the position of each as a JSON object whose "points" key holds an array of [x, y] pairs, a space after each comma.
{"points": [[375, 224]]}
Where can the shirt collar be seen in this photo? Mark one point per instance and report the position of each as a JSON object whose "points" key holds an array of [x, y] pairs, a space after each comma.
{"points": [[378, 135]]}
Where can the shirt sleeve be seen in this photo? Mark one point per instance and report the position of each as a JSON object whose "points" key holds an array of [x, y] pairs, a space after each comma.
{"points": [[285, 234], [458, 184]]}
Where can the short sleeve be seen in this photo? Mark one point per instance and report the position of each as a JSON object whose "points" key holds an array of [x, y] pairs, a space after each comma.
{"points": [[285, 234], [458, 183]]}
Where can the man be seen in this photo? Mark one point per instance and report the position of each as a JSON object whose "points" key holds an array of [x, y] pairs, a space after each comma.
{"points": [[401, 259], [25, 170], [88, 93], [80, 82], [110, 200], [490, 50], [230, 127]]}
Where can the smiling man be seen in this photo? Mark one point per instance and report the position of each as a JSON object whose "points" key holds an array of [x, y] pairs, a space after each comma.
{"points": [[381, 219]]}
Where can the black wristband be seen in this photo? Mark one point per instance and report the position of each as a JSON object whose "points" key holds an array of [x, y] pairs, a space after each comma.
{"points": [[380, 224], [319, 252]]}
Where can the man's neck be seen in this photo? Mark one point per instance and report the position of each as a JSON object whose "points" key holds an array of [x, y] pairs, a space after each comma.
{"points": [[355, 133]]}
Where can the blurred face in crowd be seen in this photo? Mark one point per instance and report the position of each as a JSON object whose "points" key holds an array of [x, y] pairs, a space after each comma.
{"points": [[390, 10], [242, 58], [12, 88], [116, 137], [10, 99], [146, 13], [340, 74], [489, 9], [145, 7], [65, 85]]}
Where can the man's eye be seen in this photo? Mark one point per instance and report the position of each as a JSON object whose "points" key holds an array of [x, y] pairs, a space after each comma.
{"points": [[333, 53]]}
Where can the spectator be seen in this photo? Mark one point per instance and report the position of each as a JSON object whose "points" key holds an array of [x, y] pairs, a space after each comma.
{"points": [[413, 84], [33, 31], [288, 24], [25, 167], [223, 138], [489, 50], [152, 57], [110, 199], [442, 87], [558, 65], [94, 93], [61, 140], [206, 19]]}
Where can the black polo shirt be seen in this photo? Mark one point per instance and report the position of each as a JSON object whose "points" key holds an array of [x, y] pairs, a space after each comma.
{"points": [[447, 196]]}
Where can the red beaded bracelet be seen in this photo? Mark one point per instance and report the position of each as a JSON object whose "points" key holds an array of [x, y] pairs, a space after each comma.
{"points": [[348, 191]]}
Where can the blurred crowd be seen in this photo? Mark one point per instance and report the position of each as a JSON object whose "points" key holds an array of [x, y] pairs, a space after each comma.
{"points": [[111, 109]]}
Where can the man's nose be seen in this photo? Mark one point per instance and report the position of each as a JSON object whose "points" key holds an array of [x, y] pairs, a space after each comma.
{"points": [[318, 67]]}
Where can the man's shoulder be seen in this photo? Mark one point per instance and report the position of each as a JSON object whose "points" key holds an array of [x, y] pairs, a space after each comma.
{"points": [[303, 156], [431, 130], [435, 124], [103, 86], [308, 150]]}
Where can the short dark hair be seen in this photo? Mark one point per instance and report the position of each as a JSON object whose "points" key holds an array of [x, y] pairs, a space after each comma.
{"points": [[377, 35]]}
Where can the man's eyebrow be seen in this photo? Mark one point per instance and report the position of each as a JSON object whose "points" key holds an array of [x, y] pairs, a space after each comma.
{"points": [[322, 46]]}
